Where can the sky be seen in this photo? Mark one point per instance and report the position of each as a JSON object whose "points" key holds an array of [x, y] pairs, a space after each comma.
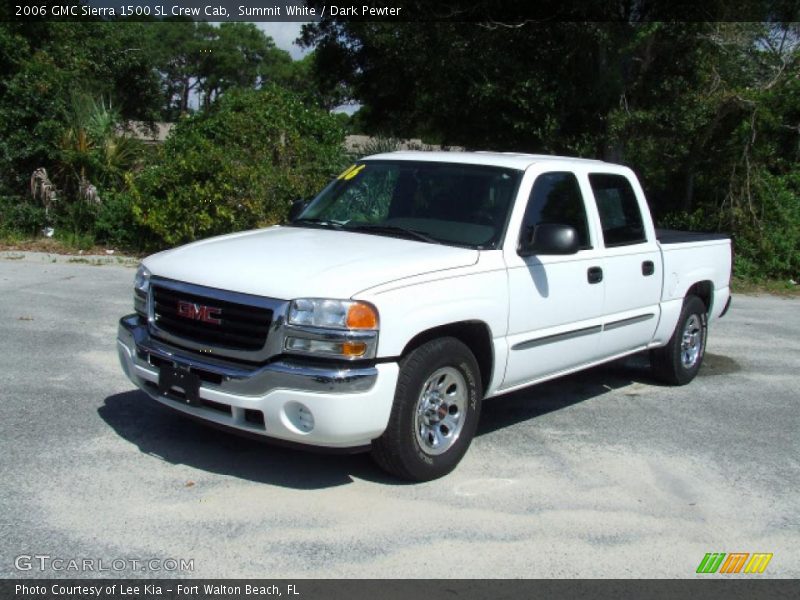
{"points": [[284, 35]]}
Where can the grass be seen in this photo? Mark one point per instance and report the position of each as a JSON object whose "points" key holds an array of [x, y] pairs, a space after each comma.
{"points": [[11, 237], [78, 241], [776, 287], [95, 262], [68, 245]]}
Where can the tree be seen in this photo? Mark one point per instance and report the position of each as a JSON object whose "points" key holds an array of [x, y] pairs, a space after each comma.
{"points": [[530, 86], [47, 63], [299, 77], [176, 48], [239, 55], [204, 60], [93, 151], [238, 165], [707, 113], [59, 137]]}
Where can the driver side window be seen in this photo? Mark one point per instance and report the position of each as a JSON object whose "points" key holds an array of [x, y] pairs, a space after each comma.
{"points": [[368, 199], [556, 198]]}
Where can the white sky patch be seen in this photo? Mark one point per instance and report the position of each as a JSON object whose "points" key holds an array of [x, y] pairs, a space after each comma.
{"points": [[284, 35], [348, 109]]}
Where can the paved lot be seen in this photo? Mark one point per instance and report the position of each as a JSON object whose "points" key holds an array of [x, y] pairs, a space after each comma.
{"points": [[602, 474]]}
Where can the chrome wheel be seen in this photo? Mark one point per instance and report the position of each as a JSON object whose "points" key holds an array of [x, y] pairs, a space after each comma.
{"points": [[691, 341], [441, 410]]}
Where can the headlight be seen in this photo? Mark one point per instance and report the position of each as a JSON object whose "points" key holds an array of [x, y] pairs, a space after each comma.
{"points": [[333, 314], [345, 329], [141, 285]]}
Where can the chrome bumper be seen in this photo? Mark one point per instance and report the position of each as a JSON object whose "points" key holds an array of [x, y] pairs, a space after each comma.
{"points": [[243, 380]]}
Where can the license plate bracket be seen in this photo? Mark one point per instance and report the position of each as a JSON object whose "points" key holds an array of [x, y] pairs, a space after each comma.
{"points": [[183, 380]]}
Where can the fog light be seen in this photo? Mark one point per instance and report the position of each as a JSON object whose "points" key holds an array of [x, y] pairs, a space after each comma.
{"points": [[349, 349], [299, 416], [318, 346], [354, 348]]}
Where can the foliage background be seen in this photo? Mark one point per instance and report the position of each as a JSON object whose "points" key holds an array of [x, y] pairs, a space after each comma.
{"points": [[707, 113], [237, 166]]}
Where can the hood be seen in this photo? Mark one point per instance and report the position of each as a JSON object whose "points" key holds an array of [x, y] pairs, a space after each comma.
{"points": [[296, 262]]}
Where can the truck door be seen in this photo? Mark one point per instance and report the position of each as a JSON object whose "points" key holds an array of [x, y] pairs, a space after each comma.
{"points": [[631, 265], [556, 302]]}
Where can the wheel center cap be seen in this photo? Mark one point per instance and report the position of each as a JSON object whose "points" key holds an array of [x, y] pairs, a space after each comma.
{"points": [[441, 412]]}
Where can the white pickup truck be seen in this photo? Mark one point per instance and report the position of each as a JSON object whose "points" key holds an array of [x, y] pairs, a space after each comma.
{"points": [[415, 285]]}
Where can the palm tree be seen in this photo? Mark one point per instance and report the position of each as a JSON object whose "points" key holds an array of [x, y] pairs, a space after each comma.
{"points": [[94, 150]]}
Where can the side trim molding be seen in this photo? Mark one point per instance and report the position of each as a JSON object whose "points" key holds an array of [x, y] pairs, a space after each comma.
{"points": [[558, 337], [575, 333], [629, 321]]}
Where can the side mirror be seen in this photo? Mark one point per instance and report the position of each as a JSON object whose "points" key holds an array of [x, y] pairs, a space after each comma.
{"points": [[549, 238], [297, 207]]}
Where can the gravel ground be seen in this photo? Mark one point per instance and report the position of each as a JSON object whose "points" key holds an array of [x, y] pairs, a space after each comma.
{"points": [[601, 474]]}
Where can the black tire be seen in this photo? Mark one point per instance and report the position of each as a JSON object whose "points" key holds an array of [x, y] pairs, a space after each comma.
{"points": [[670, 364], [406, 447]]}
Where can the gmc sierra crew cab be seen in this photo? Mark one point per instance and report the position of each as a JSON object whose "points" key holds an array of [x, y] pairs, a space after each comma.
{"points": [[414, 286]]}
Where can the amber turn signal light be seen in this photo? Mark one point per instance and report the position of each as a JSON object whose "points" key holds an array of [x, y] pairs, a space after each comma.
{"points": [[362, 316], [354, 348]]}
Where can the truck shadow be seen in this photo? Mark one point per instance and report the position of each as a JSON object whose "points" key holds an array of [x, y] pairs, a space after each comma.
{"points": [[537, 400], [176, 439]]}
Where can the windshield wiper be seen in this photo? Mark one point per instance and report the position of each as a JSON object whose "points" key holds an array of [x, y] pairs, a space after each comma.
{"points": [[317, 222], [395, 230]]}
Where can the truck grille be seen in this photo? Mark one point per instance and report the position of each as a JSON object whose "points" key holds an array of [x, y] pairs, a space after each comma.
{"points": [[205, 320]]}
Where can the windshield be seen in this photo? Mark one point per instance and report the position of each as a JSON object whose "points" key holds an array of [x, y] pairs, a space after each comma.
{"points": [[447, 203]]}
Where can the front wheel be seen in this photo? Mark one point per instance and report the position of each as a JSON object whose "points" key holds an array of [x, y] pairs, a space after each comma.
{"points": [[435, 413], [678, 362]]}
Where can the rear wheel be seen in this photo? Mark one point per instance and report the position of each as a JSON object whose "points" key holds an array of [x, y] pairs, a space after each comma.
{"points": [[435, 412], [678, 362]]}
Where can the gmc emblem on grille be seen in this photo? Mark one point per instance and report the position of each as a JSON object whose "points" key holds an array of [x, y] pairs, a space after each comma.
{"points": [[198, 312]]}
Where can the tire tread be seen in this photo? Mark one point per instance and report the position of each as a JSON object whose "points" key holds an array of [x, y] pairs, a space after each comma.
{"points": [[665, 361], [385, 449]]}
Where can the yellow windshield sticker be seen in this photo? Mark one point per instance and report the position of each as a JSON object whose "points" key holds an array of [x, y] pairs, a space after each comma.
{"points": [[353, 172], [346, 171]]}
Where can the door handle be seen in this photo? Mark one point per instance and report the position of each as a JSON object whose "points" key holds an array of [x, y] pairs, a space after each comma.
{"points": [[594, 275], [648, 268]]}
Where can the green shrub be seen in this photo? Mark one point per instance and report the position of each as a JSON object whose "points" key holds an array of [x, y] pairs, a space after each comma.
{"points": [[116, 226], [237, 166], [765, 228], [767, 235], [75, 240], [20, 216]]}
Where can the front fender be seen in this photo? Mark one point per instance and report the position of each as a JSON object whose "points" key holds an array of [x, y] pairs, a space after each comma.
{"points": [[408, 311]]}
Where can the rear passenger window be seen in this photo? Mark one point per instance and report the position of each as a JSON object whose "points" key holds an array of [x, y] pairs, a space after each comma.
{"points": [[619, 211], [556, 198]]}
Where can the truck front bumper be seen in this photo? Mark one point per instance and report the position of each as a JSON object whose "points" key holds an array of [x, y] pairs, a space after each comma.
{"points": [[291, 401]]}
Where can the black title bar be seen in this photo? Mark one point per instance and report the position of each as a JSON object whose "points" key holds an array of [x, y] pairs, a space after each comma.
{"points": [[707, 587], [497, 11]]}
